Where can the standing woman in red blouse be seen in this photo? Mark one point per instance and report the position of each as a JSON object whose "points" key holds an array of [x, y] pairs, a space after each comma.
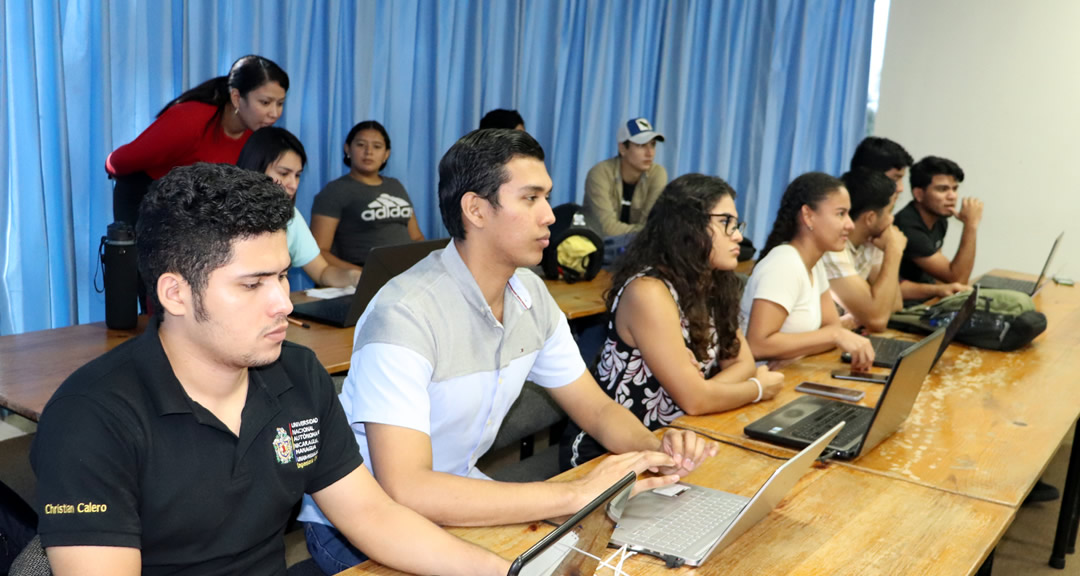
{"points": [[208, 123]]}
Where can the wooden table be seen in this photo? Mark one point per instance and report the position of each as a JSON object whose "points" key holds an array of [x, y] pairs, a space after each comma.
{"points": [[580, 299], [837, 520], [934, 498], [986, 423], [34, 364]]}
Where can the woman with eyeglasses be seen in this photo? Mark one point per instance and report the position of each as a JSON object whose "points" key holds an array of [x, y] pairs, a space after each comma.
{"points": [[786, 304], [673, 342]]}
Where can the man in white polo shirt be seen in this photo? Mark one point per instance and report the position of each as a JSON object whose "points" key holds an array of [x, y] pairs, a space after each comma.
{"points": [[443, 350]]}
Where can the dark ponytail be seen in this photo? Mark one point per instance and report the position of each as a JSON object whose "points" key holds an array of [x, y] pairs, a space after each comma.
{"points": [[808, 189], [246, 74]]}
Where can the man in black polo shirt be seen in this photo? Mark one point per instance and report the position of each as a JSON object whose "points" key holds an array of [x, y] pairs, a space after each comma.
{"points": [[924, 271], [184, 450]]}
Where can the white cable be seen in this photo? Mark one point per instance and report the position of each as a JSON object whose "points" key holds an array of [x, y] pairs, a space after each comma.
{"points": [[623, 554]]}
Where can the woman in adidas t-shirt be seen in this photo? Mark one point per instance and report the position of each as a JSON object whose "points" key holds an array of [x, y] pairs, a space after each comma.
{"points": [[363, 209]]}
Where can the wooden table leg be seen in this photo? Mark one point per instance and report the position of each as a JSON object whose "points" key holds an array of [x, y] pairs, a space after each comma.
{"points": [[1066, 528]]}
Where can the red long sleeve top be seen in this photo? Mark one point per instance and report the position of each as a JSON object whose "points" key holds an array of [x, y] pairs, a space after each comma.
{"points": [[179, 137]]}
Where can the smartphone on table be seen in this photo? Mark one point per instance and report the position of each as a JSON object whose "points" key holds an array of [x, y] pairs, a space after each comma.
{"points": [[860, 376], [836, 392]]}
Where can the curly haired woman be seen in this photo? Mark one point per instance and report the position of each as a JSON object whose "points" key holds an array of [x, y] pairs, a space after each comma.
{"points": [[673, 343]]}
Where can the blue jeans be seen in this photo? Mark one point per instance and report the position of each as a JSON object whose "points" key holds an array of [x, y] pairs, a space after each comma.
{"points": [[330, 549]]}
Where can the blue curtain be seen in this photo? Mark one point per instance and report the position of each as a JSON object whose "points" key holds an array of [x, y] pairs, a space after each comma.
{"points": [[755, 92]]}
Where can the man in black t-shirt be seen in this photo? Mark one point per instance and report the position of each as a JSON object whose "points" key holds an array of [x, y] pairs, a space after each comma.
{"points": [[924, 271], [184, 450]]}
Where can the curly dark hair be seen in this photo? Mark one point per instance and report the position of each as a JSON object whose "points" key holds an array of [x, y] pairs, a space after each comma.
{"points": [[191, 216], [676, 242], [809, 190]]}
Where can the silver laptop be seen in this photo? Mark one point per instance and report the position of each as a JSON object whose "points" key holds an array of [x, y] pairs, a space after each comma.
{"points": [[1026, 286], [577, 545], [685, 524]]}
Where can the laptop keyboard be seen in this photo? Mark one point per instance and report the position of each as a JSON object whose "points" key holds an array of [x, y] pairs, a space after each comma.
{"points": [[698, 513], [823, 420], [1024, 286]]}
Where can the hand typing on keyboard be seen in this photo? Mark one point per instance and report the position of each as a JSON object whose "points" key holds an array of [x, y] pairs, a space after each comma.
{"points": [[862, 352], [687, 450]]}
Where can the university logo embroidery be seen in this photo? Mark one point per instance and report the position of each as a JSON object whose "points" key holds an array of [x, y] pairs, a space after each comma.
{"points": [[283, 447], [386, 207], [299, 443]]}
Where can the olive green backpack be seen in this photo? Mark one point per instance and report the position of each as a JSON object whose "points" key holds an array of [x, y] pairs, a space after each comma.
{"points": [[1003, 319]]}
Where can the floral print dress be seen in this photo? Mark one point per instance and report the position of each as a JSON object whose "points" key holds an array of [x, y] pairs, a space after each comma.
{"points": [[623, 374]]}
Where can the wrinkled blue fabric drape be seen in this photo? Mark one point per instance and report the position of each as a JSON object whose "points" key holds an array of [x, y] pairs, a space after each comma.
{"points": [[755, 92]]}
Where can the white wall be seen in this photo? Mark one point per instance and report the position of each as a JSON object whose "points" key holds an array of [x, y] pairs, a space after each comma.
{"points": [[995, 86]]}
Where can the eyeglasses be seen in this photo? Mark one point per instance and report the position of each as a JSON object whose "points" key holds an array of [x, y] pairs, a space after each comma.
{"points": [[730, 223]]}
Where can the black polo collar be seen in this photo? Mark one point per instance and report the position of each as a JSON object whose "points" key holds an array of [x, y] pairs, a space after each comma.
{"points": [[157, 376]]}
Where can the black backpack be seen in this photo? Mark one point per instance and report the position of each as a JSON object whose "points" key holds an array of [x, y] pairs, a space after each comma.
{"points": [[570, 220], [1003, 319]]}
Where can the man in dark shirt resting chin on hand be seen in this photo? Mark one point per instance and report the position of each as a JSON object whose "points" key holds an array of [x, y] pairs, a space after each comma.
{"points": [[184, 450], [924, 271]]}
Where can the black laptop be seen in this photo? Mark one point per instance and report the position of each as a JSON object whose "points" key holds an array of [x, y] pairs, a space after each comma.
{"points": [[578, 545], [888, 350], [383, 263], [1026, 286], [798, 423]]}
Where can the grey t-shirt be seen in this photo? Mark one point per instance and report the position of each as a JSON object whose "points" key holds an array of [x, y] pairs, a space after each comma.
{"points": [[369, 216]]}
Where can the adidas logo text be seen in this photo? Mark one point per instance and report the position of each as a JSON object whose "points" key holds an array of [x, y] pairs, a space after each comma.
{"points": [[385, 207]]}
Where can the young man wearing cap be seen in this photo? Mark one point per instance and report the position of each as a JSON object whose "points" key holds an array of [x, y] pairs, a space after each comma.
{"points": [[442, 352], [620, 191], [183, 451]]}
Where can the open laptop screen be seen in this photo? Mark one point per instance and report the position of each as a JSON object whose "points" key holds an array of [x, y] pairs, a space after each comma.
{"points": [[577, 545], [900, 391]]}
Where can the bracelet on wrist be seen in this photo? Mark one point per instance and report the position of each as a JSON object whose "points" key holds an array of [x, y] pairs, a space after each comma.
{"points": [[760, 390]]}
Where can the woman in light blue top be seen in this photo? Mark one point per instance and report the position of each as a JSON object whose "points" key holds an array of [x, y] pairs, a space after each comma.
{"points": [[280, 155]]}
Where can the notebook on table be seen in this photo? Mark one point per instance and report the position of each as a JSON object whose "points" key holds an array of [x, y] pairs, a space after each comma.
{"points": [[383, 263]]}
